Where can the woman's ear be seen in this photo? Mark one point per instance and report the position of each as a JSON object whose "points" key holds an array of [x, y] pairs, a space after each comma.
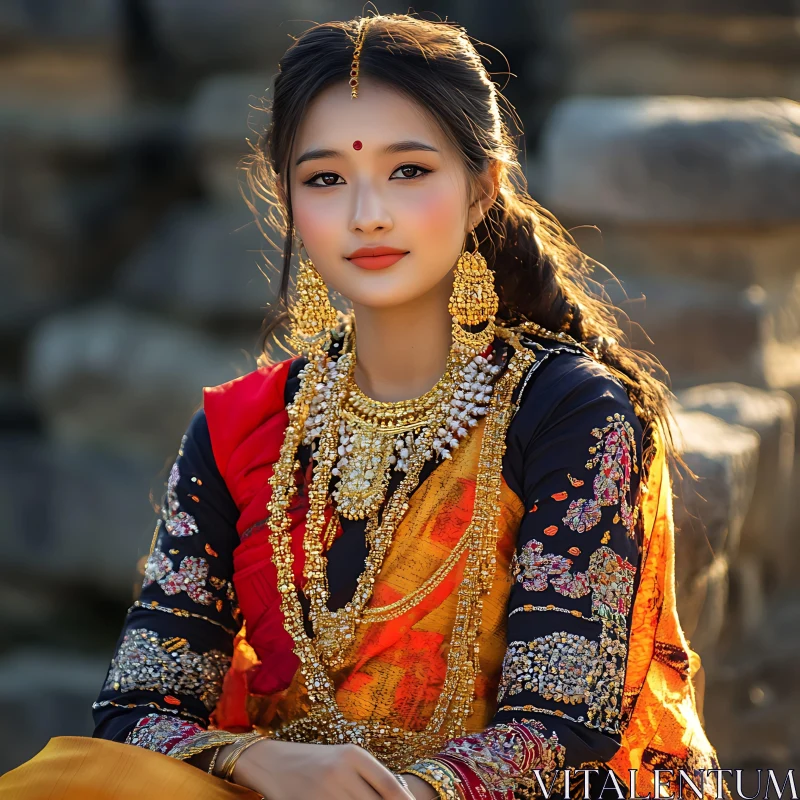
{"points": [[488, 187]]}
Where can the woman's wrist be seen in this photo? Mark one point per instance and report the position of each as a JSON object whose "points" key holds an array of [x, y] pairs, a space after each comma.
{"points": [[224, 753], [421, 789], [237, 750]]}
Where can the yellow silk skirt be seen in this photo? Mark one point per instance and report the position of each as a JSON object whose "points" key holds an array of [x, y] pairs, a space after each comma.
{"points": [[80, 768]]}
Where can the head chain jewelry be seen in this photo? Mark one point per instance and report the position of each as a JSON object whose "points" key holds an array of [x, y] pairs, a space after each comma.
{"points": [[354, 66]]}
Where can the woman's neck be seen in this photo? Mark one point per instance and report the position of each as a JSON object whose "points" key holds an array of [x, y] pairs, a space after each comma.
{"points": [[402, 350]]}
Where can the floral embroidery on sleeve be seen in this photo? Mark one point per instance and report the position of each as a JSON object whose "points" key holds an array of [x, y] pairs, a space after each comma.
{"points": [[190, 576], [160, 734], [536, 570], [176, 738], [614, 457], [176, 521], [146, 662], [566, 667], [611, 578]]}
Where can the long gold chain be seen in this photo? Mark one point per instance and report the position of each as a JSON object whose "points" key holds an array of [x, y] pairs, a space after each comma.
{"points": [[336, 629], [374, 426], [326, 723]]}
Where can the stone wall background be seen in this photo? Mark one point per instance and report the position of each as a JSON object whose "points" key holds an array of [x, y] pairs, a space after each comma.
{"points": [[131, 275]]}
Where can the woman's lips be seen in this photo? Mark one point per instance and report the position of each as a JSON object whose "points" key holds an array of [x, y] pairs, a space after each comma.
{"points": [[376, 257]]}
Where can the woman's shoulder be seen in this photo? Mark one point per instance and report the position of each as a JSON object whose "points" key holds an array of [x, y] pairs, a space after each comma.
{"points": [[566, 385]]}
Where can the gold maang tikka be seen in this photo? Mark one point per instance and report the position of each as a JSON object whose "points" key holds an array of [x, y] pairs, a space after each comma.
{"points": [[355, 65], [311, 315], [474, 300]]}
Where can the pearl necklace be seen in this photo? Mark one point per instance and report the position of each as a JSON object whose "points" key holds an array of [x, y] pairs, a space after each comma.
{"points": [[376, 438]]}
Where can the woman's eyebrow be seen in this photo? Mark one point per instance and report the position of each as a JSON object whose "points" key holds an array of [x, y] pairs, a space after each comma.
{"points": [[314, 155], [409, 144], [405, 146]]}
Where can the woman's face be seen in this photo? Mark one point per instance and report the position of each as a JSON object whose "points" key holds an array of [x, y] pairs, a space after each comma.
{"points": [[380, 197]]}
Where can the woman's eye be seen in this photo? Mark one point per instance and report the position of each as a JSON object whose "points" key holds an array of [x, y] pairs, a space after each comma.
{"points": [[410, 171], [324, 179]]}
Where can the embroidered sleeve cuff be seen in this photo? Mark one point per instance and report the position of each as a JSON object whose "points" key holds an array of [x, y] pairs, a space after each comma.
{"points": [[506, 761], [176, 738]]}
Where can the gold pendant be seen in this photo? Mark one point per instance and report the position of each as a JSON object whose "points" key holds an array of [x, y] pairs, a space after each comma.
{"points": [[365, 478]]}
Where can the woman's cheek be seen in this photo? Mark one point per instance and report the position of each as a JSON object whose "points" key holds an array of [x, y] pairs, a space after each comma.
{"points": [[317, 221], [437, 209]]}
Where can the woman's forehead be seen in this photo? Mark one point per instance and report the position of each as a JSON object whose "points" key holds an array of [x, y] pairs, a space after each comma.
{"points": [[378, 117]]}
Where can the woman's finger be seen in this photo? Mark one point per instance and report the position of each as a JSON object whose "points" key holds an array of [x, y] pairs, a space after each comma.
{"points": [[380, 778]]}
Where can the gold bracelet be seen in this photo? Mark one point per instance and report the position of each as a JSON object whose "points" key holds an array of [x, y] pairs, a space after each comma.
{"points": [[214, 760], [437, 775], [226, 771], [240, 739]]}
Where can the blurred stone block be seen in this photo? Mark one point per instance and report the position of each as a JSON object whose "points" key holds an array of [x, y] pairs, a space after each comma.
{"points": [[709, 514], [77, 516], [226, 111], [707, 332], [30, 285], [747, 602], [73, 22], [673, 160], [755, 8], [208, 34], [212, 259], [753, 698], [110, 378], [45, 693], [701, 332], [670, 48], [765, 532], [703, 607], [656, 68], [734, 255]]}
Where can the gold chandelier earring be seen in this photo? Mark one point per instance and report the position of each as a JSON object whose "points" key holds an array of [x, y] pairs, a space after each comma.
{"points": [[311, 314], [474, 301]]}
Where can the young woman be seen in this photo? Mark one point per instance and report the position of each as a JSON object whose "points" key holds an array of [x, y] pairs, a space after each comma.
{"points": [[433, 555]]}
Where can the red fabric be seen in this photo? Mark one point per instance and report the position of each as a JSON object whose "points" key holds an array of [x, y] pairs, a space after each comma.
{"points": [[247, 420]]}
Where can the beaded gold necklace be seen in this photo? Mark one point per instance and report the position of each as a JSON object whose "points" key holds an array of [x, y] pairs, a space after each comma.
{"points": [[360, 440], [374, 438], [325, 722]]}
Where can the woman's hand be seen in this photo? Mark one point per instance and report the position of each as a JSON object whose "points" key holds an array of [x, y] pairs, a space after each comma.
{"points": [[296, 771]]}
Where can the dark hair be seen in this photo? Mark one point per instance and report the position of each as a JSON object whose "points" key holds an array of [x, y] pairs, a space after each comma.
{"points": [[541, 274]]}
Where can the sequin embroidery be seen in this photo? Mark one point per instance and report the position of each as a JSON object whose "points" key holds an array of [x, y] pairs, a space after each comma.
{"points": [[536, 570], [615, 457], [146, 662], [566, 667], [190, 576], [176, 521], [556, 666], [505, 755], [161, 734], [611, 579]]}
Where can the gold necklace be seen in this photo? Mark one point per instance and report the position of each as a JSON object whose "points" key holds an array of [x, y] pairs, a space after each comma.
{"points": [[357, 435], [335, 630], [325, 722], [376, 437]]}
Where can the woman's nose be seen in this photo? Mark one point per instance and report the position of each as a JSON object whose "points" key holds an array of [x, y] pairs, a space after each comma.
{"points": [[369, 211]]}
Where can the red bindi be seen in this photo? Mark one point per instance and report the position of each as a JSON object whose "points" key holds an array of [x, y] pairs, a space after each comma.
{"points": [[357, 145]]}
